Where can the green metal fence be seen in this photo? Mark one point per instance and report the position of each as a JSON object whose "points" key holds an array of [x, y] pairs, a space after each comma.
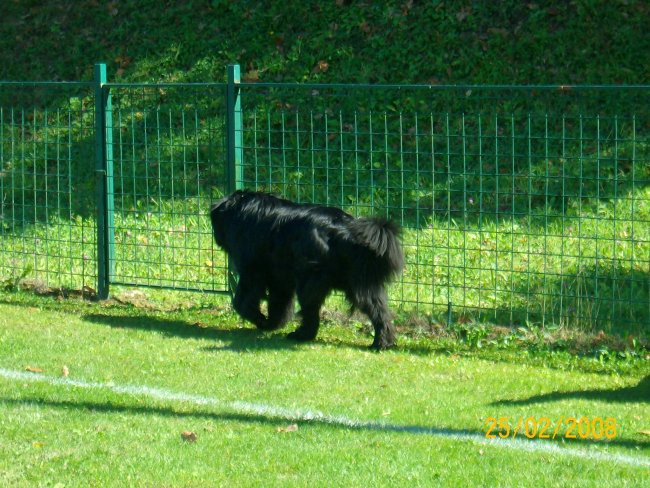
{"points": [[47, 205], [519, 203]]}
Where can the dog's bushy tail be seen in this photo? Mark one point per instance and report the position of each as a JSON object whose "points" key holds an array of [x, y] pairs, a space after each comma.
{"points": [[381, 236]]}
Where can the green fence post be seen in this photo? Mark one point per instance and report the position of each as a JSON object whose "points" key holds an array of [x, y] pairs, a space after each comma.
{"points": [[104, 172], [234, 149], [234, 130]]}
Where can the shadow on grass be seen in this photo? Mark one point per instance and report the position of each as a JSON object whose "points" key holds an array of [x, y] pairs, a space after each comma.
{"points": [[604, 294], [637, 393], [239, 340], [247, 339], [281, 419], [599, 296]]}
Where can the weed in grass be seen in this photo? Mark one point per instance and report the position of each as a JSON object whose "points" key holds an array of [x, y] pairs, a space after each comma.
{"points": [[13, 282]]}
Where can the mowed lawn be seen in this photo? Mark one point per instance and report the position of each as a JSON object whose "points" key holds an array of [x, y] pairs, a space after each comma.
{"points": [[98, 394]]}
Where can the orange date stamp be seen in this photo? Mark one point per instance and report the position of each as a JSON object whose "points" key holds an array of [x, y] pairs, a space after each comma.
{"points": [[596, 428]]}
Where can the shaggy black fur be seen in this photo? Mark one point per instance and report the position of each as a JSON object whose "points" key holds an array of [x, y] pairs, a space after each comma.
{"points": [[285, 249]]}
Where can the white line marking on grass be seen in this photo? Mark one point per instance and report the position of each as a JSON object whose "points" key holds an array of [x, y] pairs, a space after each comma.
{"points": [[336, 420]]}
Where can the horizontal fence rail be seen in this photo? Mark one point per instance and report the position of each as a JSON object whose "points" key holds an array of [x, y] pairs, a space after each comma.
{"points": [[518, 204]]}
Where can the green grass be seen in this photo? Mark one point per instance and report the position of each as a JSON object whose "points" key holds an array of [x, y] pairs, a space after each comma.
{"points": [[63, 434]]}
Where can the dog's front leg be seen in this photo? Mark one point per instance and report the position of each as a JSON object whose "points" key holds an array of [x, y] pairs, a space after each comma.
{"points": [[247, 300], [311, 294], [280, 305]]}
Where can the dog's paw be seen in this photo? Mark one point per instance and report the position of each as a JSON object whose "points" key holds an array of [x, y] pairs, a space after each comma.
{"points": [[382, 346], [297, 335], [263, 325]]}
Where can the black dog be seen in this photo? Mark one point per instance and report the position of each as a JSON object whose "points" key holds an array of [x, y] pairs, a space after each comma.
{"points": [[285, 248]]}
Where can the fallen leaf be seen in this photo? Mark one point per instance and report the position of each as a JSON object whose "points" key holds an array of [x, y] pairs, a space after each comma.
{"points": [[498, 31], [321, 67], [37, 444], [133, 295], [365, 27], [644, 432], [481, 452], [252, 76], [65, 371], [463, 14], [32, 369], [123, 61], [188, 436], [288, 428]]}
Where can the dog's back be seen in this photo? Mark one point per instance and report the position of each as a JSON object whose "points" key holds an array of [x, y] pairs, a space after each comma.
{"points": [[314, 234]]}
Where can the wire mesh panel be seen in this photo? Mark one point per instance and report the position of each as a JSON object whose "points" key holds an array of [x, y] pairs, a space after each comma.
{"points": [[519, 204], [47, 226], [168, 166]]}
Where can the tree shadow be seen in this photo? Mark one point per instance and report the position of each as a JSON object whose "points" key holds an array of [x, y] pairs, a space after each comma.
{"points": [[281, 418], [600, 296], [532, 157], [604, 294], [460, 165], [630, 394], [51, 128]]}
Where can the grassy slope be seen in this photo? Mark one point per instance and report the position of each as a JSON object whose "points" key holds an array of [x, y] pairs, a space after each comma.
{"points": [[393, 41], [53, 434]]}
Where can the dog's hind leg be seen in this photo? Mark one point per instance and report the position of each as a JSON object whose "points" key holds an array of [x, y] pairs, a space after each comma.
{"points": [[280, 306], [247, 300], [375, 306], [311, 295]]}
